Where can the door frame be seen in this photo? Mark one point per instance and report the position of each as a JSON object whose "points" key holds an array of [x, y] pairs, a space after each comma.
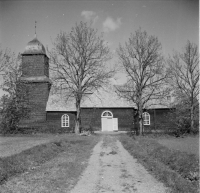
{"points": [[108, 115]]}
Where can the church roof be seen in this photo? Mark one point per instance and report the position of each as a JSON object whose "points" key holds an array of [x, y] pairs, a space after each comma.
{"points": [[34, 47], [105, 97]]}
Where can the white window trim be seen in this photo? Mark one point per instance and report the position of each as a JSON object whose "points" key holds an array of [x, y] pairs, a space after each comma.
{"points": [[65, 120], [146, 121], [107, 116]]}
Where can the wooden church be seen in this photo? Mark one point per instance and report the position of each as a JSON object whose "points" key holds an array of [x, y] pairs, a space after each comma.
{"points": [[104, 111]]}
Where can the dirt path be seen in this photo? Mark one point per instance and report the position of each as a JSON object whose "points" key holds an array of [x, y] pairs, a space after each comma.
{"points": [[112, 169]]}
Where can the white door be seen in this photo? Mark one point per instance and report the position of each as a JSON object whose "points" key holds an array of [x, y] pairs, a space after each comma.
{"points": [[115, 124], [107, 123]]}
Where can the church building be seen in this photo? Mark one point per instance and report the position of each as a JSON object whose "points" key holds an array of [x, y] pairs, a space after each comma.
{"points": [[103, 110]]}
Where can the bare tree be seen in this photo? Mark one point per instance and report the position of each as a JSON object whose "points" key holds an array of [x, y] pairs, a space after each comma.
{"points": [[14, 102], [6, 59], [142, 61], [11, 74], [184, 76], [79, 64]]}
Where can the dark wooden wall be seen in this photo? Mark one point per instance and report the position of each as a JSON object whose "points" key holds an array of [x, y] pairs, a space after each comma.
{"points": [[159, 120], [53, 119], [35, 65], [92, 116]]}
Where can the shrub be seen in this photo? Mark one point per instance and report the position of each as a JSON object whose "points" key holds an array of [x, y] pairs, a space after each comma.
{"points": [[12, 111], [181, 120], [87, 130]]}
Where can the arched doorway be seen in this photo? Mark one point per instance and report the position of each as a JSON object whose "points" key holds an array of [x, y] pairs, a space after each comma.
{"points": [[107, 121]]}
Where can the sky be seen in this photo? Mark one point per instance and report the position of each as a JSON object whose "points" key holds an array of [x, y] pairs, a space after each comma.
{"points": [[173, 22]]}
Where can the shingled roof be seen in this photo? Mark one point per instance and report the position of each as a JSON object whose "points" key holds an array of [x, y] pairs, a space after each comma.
{"points": [[34, 47], [105, 97]]}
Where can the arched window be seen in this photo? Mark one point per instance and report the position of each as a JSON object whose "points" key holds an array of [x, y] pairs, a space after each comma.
{"points": [[107, 114], [65, 121], [146, 118]]}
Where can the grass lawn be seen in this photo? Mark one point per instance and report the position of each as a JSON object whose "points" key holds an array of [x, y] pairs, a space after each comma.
{"points": [[14, 144], [177, 170], [46, 167], [189, 145]]}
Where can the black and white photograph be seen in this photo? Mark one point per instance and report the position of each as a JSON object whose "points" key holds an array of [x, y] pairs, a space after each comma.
{"points": [[99, 96]]}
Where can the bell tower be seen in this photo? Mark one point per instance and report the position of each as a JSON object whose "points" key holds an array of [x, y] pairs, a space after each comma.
{"points": [[35, 78]]}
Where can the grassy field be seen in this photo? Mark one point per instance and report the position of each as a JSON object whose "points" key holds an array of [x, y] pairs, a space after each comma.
{"points": [[45, 168], [14, 144], [189, 145], [50, 160], [176, 169]]}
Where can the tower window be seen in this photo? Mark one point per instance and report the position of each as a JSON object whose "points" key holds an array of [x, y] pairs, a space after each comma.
{"points": [[146, 118], [65, 121]]}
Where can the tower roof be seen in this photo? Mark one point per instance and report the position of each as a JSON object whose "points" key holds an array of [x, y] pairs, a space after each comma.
{"points": [[34, 47]]}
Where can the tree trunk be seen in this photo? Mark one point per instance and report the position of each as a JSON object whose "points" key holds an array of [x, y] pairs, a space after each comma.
{"points": [[78, 118], [140, 119], [192, 117], [154, 118], [140, 125]]}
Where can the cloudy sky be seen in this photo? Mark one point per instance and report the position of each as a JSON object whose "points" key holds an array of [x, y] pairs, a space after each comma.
{"points": [[173, 22]]}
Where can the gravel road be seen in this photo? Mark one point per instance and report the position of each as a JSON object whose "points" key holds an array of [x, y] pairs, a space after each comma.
{"points": [[112, 169]]}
